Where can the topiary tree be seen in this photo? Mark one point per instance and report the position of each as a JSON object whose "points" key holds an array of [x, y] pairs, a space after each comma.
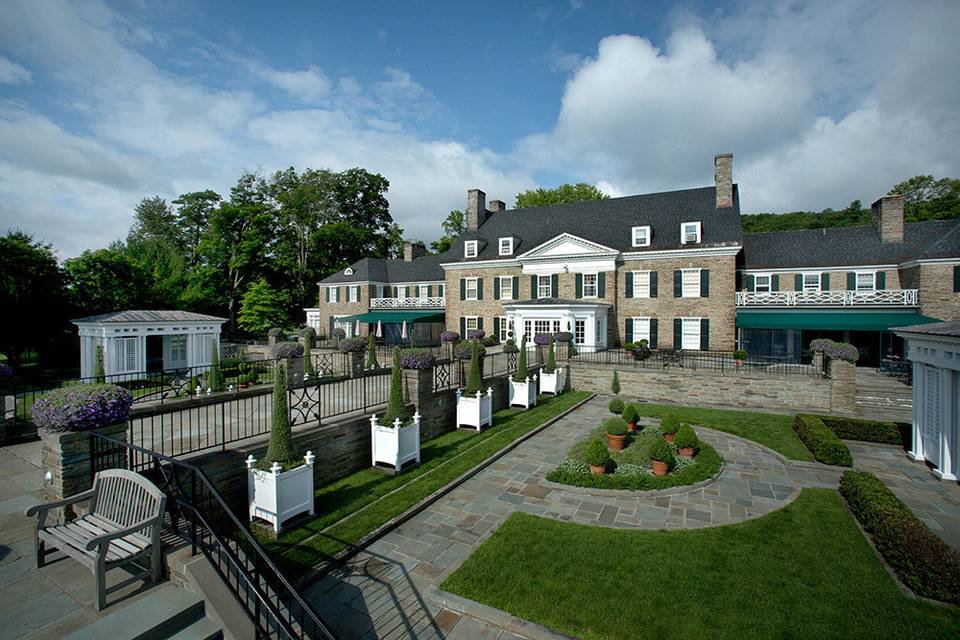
{"points": [[475, 379], [615, 385], [551, 365], [396, 407], [99, 374], [522, 373], [215, 380], [372, 362], [281, 449], [309, 337], [615, 406]]}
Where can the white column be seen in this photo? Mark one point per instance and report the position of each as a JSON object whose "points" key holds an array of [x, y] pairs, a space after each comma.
{"points": [[916, 447], [948, 427]]}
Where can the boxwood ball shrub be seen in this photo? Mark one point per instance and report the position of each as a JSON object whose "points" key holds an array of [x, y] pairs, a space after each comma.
{"points": [[669, 424], [823, 443], [491, 341], [630, 414], [739, 354], [661, 451], [686, 438], [287, 350], [353, 345], [923, 561], [417, 359], [597, 453], [615, 426], [82, 407], [510, 346], [449, 337], [615, 406]]}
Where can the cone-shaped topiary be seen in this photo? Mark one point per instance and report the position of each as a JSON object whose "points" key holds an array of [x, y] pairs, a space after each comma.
{"points": [[615, 385], [571, 349], [99, 374], [686, 438], [396, 408], [551, 365], [307, 358], [522, 373], [215, 376], [372, 362], [281, 449], [475, 379], [661, 451]]}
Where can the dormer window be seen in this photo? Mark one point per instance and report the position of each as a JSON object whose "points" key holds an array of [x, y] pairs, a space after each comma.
{"points": [[506, 246], [690, 233], [470, 249], [641, 236]]}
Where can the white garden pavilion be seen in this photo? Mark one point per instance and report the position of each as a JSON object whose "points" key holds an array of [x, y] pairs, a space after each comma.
{"points": [[135, 342]]}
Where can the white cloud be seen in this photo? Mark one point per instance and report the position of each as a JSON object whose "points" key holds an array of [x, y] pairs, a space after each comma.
{"points": [[309, 86], [13, 73]]}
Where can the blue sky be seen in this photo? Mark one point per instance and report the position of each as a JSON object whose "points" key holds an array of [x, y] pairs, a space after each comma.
{"points": [[102, 103]]}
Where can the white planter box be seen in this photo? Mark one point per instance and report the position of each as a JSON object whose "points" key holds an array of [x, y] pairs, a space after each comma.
{"points": [[395, 445], [523, 393], [552, 382], [475, 411], [276, 495]]}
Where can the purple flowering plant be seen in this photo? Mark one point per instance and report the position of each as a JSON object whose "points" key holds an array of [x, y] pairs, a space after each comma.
{"points": [[353, 345], [449, 337], [82, 407], [417, 359], [836, 350], [563, 336], [464, 351], [541, 339], [287, 350], [477, 334]]}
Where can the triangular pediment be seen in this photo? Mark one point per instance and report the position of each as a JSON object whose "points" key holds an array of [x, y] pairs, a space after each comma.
{"points": [[567, 245]]}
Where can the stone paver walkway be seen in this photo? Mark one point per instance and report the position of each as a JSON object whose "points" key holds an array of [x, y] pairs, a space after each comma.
{"points": [[385, 592]]}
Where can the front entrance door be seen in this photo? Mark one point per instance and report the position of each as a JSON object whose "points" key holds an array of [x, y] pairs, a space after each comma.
{"points": [[931, 413], [154, 353]]}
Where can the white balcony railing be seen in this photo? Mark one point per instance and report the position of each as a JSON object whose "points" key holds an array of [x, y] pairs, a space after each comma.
{"points": [[881, 298], [435, 302]]}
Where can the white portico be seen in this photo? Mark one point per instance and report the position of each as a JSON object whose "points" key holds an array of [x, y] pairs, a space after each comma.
{"points": [[934, 350], [135, 342]]}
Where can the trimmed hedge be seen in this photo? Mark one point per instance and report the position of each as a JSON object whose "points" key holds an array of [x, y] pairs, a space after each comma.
{"points": [[924, 562], [864, 430], [823, 443]]}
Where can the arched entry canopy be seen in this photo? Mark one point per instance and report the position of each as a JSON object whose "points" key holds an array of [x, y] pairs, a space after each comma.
{"points": [[137, 342]]}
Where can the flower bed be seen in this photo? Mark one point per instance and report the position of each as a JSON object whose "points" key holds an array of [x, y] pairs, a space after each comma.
{"points": [[823, 443], [924, 562], [631, 466], [84, 407]]}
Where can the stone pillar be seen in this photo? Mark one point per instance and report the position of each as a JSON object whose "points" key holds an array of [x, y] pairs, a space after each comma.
{"points": [[818, 362], [843, 389], [356, 364], [66, 458], [418, 386], [294, 370]]}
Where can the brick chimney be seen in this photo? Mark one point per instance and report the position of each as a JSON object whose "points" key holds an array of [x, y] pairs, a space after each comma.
{"points": [[723, 176], [476, 209], [888, 218], [411, 251], [497, 205]]}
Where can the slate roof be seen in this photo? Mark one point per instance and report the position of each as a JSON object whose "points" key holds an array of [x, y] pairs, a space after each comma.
{"points": [[609, 222], [424, 269], [950, 329], [849, 246], [151, 316]]}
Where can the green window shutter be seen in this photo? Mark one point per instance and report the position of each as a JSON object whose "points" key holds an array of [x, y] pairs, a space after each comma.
{"points": [[751, 283], [628, 334], [479, 288], [653, 333], [496, 288], [851, 281], [677, 283], [555, 285], [496, 326], [629, 287], [704, 334], [825, 281], [406, 291], [463, 288], [429, 290], [677, 333], [705, 283], [881, 280], [956, 279], [602, 285], [440, 291], [653, 284], [463, 328], [775, 282], [338, 294], [798, 282], [579, 281], [516, 287], [480, 324], [533, 288]]}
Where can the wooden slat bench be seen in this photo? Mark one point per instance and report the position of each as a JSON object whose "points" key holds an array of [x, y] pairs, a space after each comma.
{"points": [[122, 525]]}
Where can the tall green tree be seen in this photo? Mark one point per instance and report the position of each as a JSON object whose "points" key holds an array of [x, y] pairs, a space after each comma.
{"points": [[261, 308], [193, 215], [563, 194], [453, 227], [154, 219], [107, 280]]}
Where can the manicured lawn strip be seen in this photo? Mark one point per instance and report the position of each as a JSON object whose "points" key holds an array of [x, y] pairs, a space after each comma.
{"points": [[769, 429], [804, 571], [298, 553]]}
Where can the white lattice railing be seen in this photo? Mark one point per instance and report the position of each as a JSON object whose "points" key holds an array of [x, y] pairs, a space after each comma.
{"points": [[435, 302], [881, 298]]}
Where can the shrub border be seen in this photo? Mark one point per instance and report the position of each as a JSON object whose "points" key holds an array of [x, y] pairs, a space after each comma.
{"points": [[821, 441], [862, 429]]}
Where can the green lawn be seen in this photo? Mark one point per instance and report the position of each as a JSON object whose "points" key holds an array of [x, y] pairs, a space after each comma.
{"points": [[769, 429], [341, 517], [804, 571]]}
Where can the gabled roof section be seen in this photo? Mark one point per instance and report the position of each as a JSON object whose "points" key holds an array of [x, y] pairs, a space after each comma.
{"points": [[162, 315], [566, 244], [609, 222], [849, 246], [423, 269]]}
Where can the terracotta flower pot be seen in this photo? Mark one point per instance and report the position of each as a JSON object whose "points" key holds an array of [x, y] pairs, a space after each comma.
{"points": [[615, 443], [739, 363], [659, 468], [631, 426], [686, 452], [669, 436], [598, 470]]}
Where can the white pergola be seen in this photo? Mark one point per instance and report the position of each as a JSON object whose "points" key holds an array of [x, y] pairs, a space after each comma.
{"points": [[136, 342], [551, 315], [934, 350]]}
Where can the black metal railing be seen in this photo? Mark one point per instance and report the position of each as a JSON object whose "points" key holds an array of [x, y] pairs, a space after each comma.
{"points": [[199, 513], [338, 396], [720, 362], [452, 374]]}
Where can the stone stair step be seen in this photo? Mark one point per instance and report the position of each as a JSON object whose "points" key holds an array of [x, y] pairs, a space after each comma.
{"points": [[202, 629], [166, 611]]}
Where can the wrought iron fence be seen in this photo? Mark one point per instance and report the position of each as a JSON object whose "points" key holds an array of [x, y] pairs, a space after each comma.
{"points": [[338, 396], [720, 362], [198, 513], [452, 374]]}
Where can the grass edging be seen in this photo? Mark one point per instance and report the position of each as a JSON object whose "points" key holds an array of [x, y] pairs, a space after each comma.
{"points": [[492, 615], [417, 508]]}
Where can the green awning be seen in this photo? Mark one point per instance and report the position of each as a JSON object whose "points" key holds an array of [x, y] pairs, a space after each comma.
{"points": [[388, 316], [841, 320]]}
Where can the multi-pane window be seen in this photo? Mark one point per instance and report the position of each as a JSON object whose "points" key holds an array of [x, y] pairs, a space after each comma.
{"points": [[504, 329], [641, 329], [690, 232], [125, 355], [544, 286], [579, 331], [331, 294], [641, 284], [690, 335], [546, 326], [589, 285], [178, 348], [506, 246], [866, 281], [811, 282], [472, 323], [761, 283], [354, 294], [470, 288], [402, 293], [690, 283], [506, 287], [470, 249], [423, 291], [641, 236]]}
